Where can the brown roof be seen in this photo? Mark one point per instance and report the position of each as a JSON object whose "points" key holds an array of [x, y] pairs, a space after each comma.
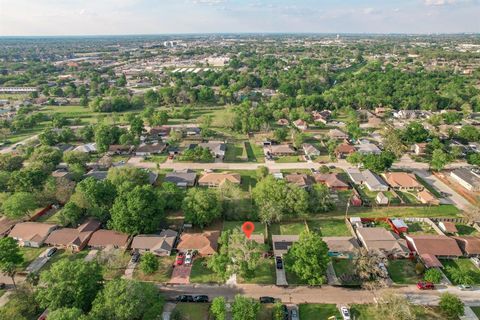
{"points": [[219, 178], [205, 243], [105, 238], [119, 148], [431, 261], [31, 231], [449, 227], [345, 148], [5, 225], [382, 240], [426, 197], [402, 180], [341, 244], [300, 179], [331, 180], [469, 244], [70, 236], [155, 242], [282, 148], [154, 147], [435, 244]]}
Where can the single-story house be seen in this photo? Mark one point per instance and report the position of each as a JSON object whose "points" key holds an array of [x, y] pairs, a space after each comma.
{"points": [[145, 150], [301, 124], [426, 197], [119, 149], [310, 150], [87, 148], [281, 243], [447, 227], [302, 180], [384, 241], [96, 174], [73, 239], [62, 173], [367, 148], [381, 198], [337, 134], [470, 245], [420, 148], [322, 116], [435, 245], [216, 179], [183, 178], [342, 247], [158, 244], [31, 234], [467, 178], [217, 148], [192, 131], [205, 243], [282, 122], [355, 175], [103, 238], [403, 181], [157, 133], [343, 150], [373, 181], [332, 181], [281, 150]]}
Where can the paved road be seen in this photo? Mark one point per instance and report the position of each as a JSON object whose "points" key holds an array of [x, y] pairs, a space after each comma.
{"points": [[25, 141]]}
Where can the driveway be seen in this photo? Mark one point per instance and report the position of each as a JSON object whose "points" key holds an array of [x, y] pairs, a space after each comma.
{"points": [[130, 269], [91, 255], [281, 277], [180, 275], [38, 263]]}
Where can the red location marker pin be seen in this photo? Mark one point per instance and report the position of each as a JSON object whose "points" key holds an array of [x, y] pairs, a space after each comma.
{"points": [[248, 228]]}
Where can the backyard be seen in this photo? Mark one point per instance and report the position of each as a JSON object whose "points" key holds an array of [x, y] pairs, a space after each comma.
{"points": [[419, 227], [329, 228]]}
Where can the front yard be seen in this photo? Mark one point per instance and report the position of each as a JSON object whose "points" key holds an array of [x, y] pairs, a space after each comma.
{"points": [[30, 254], [264, 274], [402, 271], [465, 263], [345, 271], [193, 311], [318, 311], [201, 274], [162, 275], [368, 312], [329, 228]]}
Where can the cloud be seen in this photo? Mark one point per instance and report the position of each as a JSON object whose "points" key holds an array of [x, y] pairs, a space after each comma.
{"points": [[208, 2], [441, 3]]}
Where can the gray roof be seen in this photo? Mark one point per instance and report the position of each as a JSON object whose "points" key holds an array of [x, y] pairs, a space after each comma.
{"points": [[373, 181], [179, 177], [468, 176], [355, 175]]}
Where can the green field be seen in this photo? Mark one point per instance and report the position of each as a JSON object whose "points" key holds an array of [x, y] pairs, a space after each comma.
{"points": [[329, 227], [318, 311]]}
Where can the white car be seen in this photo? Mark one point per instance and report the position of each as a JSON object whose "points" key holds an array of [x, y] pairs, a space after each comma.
{"points": [[345, 313], [465, 287], [188, 258]]}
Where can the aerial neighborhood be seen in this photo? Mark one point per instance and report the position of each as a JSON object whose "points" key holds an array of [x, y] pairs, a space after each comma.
{"points": [[129, 167]]}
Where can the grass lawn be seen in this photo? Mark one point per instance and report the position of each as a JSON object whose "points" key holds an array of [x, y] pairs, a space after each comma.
{"points": [[474, 271], [476, 310], [254, 152], [51, 217], [30, 254], [193, 311], [344, 269], [408, 197], [318, 311], [230, 225], [235, 152], [329, 228], [400, 212], [116, 269], [289, 159], [264, 274], [465, 230], [403, 271], [163, 274], [419, 227], [201, 274], [368, 312], [292, 228], [293, 279], [63, 254], [266, 311]]}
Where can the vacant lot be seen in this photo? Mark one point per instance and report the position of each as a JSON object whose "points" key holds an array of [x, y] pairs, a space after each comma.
{"points": [[163, 273], [318, 311], [264, 274], [329, 228], [403, 271], [193, 311], [345, 271], [201, 274]]}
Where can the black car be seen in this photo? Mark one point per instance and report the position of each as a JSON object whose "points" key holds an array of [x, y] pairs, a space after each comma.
{"points": [[279, 262], [185, 298], [267, 300], [51, 252], [135, 257], [2, 285], [201, 298]]}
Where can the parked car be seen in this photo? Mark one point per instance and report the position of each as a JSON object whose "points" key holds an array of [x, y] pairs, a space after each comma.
{"points": [[188, 257], [465, 287], [345, 313], [279, 262], [2, 285], [294, 314], [200, 298], [180, 259], [51, 252], [424, 285], [267, 300], [185, 298], [135, 257]]}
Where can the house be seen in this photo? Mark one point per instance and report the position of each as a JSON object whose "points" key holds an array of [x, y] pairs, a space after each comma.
{"points": [[183, 179], [322, 116], [5, 226], [31, 234], [426, 197], [355, 175], [403, 181], [217, 148], [343, 150], [96, 174], [469, 245], [337, 134], [381, 198], [87, 148], [282, 122], [420, 148], [205, 243], [119, 149], [73, 239], [434, 247], [158, 244], [281, 243], [367, 148], [302, 180], [398, 225], [332, 181], [405, 114], [62, 173], [373, 181], [103, 238], [447, 227], [217, 179], [380, 111], [467, 178], [310, 150], [280, 150], [384, 241], [192, 131], [146, 150], [157, 133], [342, 247], [300, 124]]}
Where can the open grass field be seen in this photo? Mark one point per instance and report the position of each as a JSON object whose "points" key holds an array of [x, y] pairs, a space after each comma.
{"points": [[318, 311], [329, 227], [201, 274], [193, 311], [402, 271], [230, 225], [466, 263], [163, 274]]}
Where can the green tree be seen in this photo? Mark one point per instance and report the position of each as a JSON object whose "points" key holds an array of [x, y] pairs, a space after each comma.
{"points": [[355, 158], [95, 196], [439, 160], [10, 257], [139, 210], [173, 195], [378, 162], [127, 300], [19, 204], [218, 308], [9, 162], [451, 305], [47, 156], [22, 305], [278, 313], [308, 258], [66, 314], [415, 133], [69, 284], [320, 199], [76, 157], [261, 172], [280, 134], [70, 215], [27, 179], [461, 275], [149, 263], [433, 275], [201, 206], [136, 176], [245, 308]]}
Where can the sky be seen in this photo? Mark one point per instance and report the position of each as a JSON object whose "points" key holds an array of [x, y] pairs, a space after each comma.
{"points": [[116, 17]]}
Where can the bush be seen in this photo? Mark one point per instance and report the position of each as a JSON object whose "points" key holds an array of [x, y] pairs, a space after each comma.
{"points": [[218, 308], [451, 305], [433, 275], [149, 263], [419, 268]]}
